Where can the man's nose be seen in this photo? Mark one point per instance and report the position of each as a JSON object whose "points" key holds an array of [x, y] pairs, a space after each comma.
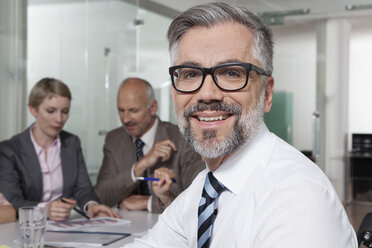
{"points": [[209, 92], [125, 117]]}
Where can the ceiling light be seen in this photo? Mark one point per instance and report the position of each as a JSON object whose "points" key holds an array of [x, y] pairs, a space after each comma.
{"points": [[351, 7], [277, 17]]}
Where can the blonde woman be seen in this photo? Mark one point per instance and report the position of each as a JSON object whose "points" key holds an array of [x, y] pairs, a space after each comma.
{"points": [[45, 164]]}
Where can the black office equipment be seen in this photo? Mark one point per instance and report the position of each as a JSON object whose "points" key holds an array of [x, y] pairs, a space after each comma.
{"points": [[361, 143], [365, 232], [360, 167]]}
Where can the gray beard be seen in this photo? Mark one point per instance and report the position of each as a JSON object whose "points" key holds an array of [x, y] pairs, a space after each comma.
{"points": [[244, 129]]}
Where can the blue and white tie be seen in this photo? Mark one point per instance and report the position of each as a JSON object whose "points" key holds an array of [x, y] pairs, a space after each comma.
{"points": [[144, 187], [207, 206]]}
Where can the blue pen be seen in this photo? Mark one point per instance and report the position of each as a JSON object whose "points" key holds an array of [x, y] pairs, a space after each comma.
{"points": [[152, 179]]}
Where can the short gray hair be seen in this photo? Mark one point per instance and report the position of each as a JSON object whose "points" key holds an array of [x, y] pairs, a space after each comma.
{"points": [[150, 93], [207, 15]]}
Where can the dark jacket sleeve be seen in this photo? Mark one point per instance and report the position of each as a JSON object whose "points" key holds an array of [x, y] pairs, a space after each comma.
{"points": [[114, 182], [82, 190], [10, 180], [186, 164]]}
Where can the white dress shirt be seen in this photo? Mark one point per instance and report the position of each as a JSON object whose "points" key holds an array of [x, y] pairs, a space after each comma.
{"points": [[276, 197], [148, 139]]}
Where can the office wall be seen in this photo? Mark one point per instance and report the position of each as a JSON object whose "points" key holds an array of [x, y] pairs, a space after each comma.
{"points": [[295, 72], [92, 46], [13, 38], [360, 97]]}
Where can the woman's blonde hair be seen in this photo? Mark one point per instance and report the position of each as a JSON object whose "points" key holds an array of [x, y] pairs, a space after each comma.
{"points": [[47, 87]]}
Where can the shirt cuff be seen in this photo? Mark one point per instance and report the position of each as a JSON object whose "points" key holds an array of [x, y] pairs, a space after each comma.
{"points": [[42, 204], [149, 204], [85, 209], [132, 173]]}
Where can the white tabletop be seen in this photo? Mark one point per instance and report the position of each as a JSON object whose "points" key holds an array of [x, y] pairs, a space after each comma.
{"points": [[141, 221]]}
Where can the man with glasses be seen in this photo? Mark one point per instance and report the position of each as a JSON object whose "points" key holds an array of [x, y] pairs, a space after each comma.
{"points": [[258, 191]]}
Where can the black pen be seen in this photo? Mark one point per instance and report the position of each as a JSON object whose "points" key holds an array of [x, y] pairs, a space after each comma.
{"points": [[76, 209]]}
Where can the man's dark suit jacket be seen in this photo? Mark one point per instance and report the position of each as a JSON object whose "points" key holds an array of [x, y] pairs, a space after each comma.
{"points": [[115, 182], [20, 173]]}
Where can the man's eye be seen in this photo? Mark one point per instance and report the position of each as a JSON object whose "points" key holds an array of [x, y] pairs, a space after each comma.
{"points": [[189, 75], [232, 74]]}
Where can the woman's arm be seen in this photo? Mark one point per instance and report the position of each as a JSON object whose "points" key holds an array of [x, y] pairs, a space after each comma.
{"points": [[7, 213]]}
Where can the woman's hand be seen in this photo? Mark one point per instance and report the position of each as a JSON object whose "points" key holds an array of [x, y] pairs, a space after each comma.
{"points": [[95, 209], [58, 210]]}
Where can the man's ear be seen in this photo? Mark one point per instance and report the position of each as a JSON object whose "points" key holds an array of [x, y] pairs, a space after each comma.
{"points": [[154, 108], [269, 90]]}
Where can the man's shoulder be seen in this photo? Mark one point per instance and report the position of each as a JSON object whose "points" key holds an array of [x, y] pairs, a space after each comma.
{"points": [[117, 136], [170, 129], [287, 164], [168, 125], [119, 131]]}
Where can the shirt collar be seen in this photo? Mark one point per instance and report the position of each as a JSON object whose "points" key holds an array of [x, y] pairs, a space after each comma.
{"points": [[149, 137], [235, 171], [39, 149]]}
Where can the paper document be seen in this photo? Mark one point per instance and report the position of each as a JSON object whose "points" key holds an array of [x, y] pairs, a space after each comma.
{"points": [[82, 223], [78, 238]]}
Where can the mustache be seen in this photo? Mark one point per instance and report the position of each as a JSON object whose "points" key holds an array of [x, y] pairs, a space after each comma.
{"points": [[131, 123], [213, 106]]}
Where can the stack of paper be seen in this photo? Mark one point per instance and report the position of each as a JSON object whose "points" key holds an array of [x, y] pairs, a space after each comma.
{"points": [[78, 232]]}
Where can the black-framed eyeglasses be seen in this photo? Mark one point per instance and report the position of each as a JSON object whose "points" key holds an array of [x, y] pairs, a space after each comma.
{"points": [[227, 77]]}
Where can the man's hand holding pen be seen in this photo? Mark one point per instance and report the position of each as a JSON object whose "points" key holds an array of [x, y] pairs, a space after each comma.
{"points": [[162, 186]]}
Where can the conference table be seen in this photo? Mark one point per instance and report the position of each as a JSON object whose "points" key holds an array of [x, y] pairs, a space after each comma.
{"points": [[141, 221]]}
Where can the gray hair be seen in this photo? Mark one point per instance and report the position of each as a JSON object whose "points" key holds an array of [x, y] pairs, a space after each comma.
{"points": [[150, 93], [207, 15]]}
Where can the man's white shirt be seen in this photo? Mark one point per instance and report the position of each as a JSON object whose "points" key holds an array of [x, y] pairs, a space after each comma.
{"points": [[148, 139], [276, 197]]}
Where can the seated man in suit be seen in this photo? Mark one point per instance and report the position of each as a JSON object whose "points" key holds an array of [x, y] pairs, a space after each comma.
{"points": [[144, 146]]}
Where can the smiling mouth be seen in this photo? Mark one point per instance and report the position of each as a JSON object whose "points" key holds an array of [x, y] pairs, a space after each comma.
{"points": [[213, 118]]}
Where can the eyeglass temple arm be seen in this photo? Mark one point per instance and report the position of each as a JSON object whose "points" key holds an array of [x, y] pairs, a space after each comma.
{"points": [[259, 70]]}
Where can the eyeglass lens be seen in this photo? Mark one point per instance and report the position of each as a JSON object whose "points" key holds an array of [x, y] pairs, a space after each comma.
{"points": [[228, 77]]}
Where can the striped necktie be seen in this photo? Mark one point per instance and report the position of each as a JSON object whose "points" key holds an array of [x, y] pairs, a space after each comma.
{"points": [[144, 187], [207, 206]]}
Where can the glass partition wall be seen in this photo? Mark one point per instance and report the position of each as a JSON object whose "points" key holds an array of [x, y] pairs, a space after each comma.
{"points": [[92, 46]]}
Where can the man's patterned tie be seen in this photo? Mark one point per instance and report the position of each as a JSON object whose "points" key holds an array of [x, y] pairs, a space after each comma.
{"points": [[207, 206]]}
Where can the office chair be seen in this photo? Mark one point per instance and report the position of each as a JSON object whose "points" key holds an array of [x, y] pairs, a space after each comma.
{"points": [[365, 232]]}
